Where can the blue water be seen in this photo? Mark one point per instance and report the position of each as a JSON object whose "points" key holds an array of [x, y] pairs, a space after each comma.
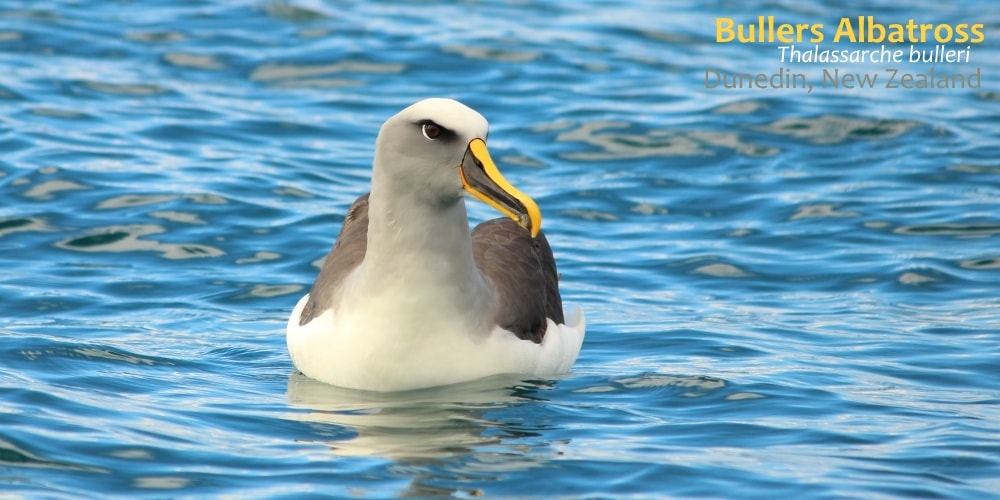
{"points": [[788, 294]]}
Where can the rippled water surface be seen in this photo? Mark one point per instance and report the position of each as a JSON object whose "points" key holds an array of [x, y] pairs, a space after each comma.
{"points": [[787, 294]]}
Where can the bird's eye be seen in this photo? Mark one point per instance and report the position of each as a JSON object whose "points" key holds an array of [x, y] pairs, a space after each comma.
{"points": [[432, 130]]}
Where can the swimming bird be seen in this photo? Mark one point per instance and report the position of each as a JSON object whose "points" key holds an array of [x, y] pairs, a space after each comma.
{"points": [[408, 297]]}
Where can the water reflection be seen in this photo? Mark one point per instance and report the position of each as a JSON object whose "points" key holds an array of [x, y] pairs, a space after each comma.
{"points": [[195, 61], [46, 190], [492, 53], [181, 217], [430, 428], [12, 455], [9, 225], [625, 144], [415, 425], [319, 75], [138, 200], [983, 263], [128, 238], [833, 129], [958, 230], [125, 89], [821, 210]]}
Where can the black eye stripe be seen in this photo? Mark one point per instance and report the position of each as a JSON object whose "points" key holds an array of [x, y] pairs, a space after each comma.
{"points": [[433, 131]]}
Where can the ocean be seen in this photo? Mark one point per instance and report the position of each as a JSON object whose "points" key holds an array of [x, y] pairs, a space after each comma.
{"points": [[790, 291]]}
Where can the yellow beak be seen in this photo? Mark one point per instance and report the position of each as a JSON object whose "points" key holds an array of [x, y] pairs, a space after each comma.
{"points": [[482, 179]]}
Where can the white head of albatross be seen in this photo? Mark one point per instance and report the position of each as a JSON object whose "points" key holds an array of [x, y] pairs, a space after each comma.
{"points": [[410, 298]]}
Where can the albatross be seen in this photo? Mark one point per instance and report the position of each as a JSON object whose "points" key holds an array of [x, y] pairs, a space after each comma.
{"points": [[408, 297]]}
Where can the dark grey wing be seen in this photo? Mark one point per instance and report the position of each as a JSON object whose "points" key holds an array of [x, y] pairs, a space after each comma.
{"points": [[523, 273], [347, 253]]}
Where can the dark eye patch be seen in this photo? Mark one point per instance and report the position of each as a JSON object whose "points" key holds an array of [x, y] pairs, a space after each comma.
{"points": [[433, 131]]}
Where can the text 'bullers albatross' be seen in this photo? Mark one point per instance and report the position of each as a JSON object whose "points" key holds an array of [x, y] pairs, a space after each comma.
{"points": [[408, 297]]}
